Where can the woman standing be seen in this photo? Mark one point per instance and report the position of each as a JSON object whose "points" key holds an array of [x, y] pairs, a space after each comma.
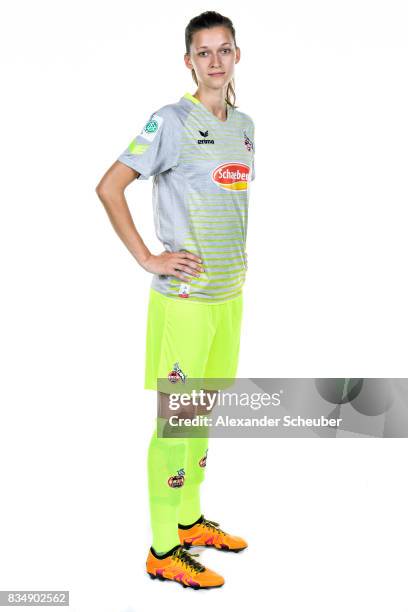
{"points": [[200, 151]]}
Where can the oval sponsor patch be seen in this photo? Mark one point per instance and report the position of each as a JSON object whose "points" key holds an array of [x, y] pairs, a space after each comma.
{"points": [[233, 176]]}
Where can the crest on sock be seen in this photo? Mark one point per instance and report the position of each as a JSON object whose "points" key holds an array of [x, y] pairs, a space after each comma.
{"points": [[178, 480], [203, 461]]}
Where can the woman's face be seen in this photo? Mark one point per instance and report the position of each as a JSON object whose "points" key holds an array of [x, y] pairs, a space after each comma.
{"points": [[213, 51]]}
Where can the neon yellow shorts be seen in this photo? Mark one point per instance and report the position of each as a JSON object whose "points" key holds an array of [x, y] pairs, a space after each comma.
{"points": [[192, 340]]}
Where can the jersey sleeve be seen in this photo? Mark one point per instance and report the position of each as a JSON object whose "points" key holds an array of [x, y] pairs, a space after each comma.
{"points": [[154, 149]]}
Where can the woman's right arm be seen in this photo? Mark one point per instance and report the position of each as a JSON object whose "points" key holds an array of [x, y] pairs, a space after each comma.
{"points": [[111, 192]]}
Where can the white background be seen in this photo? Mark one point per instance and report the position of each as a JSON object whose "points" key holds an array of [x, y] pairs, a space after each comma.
{"points": [[325, 83]]}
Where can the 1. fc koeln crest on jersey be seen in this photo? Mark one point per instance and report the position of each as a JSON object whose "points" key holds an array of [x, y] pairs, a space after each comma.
{"points": [[248, 142]]}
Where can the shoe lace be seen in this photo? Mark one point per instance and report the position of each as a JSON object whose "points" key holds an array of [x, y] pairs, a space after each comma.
{"points": [[213, 526], [185, 557]]}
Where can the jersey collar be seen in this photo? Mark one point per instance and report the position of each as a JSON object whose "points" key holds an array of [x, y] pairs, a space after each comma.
{"points": [[194, 100]]}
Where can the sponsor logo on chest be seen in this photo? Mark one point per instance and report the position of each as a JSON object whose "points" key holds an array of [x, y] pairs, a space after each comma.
{"points": [[233, 176]]}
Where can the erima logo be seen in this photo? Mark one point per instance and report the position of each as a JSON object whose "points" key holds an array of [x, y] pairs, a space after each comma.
{"points": [[205, 140]]}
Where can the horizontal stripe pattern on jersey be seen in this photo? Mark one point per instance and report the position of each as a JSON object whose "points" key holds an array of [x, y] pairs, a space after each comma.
{"points": [[202, 169]]}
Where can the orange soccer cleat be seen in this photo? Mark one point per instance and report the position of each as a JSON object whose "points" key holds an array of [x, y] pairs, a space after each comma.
{"points": [[207, 533], [178, 565]]}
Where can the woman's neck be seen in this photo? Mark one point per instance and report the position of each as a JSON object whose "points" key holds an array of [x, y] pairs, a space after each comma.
{"points": [[214, 102]]}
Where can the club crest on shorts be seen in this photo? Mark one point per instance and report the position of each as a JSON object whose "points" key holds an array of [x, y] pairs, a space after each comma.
{"points": [[184, 290], [203, 461], [176, 374], [248, 142], [177, 480]]}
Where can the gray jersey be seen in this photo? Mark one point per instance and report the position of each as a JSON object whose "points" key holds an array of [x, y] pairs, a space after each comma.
{"points": [[202, 168]]}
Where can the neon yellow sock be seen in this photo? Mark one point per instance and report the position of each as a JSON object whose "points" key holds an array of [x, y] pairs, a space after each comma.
{"points": [[166, 479], [190, 506]]}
